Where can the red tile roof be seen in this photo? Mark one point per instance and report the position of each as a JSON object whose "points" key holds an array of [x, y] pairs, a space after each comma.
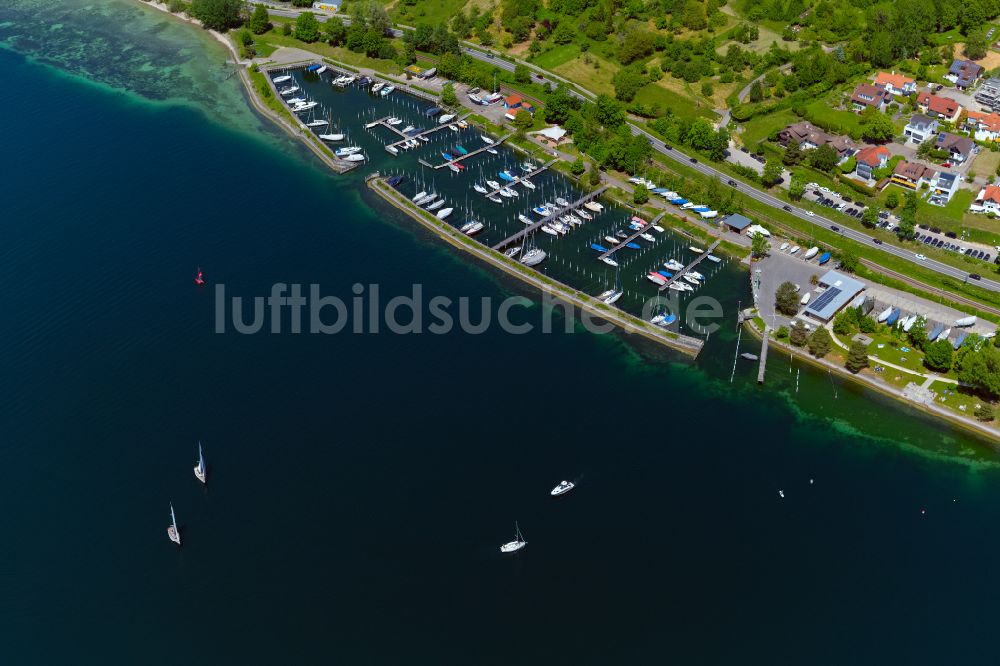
{"points": [[872, 155], [989, 121], [944, 106], [514, 99], [896, 80], [992, 193]]}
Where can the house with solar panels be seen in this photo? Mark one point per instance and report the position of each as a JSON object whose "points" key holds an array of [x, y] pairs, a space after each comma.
{"points": [[836, 292]]}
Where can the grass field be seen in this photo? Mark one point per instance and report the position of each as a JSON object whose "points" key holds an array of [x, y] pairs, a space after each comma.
{"points": [[986, 162], [270, 41], [426, 11], [822, 113], [597, 79], [559, 55], [680, 102], [758, 129]]}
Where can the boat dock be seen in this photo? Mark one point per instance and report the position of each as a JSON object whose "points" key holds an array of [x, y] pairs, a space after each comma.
{"points": [[523, 233], [384, 122], [763, 355], [436, 128], [697, 260], [631, 238], [520, 178], [473, 153]]}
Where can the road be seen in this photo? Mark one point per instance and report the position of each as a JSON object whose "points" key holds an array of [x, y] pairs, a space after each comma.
{"points": [[682, 158]]}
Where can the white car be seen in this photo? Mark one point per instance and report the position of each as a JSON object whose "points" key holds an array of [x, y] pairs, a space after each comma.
{"points": [[920, 257], [810, 213]]}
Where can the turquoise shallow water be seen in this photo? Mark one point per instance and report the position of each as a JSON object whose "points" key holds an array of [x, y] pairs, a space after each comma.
{"points": [[362, 484]]}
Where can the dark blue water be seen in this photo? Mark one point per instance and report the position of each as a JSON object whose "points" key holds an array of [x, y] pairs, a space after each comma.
{"points": [[361, 485]]}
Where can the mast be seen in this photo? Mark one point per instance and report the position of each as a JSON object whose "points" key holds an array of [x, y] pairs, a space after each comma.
{"points": [[173, 518]]}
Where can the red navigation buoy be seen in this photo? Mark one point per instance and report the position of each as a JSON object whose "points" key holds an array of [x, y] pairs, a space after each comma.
{"points": [[200, 280]]}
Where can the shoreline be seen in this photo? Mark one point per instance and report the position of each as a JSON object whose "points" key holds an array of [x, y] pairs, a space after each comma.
{"points": [[966, 423]]}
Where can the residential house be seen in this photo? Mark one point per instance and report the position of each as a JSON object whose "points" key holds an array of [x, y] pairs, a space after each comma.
{"points": [[963, 73], [935, 106], [987, 201], [870, 158], [513, 102], [912, 175], [983, 126], [959, 148], [989, 93], [809, 137], [942, 188], [920, 128], [896, 84], [868, 96]]}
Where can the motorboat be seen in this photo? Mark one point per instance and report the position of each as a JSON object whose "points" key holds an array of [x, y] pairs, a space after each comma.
{"points": [[392, 150], [377, 86], [610, 262], [317, 123], [610, 296], [810, 253], [696, 249], [492, 151], [714, 259], [472, 228], [612, 240], [487, 140], [372, 124], [347, 150], [647, 237], [561, 202], [479, 188], [512, 252], [295, 101], [505, 193], [355, 157], [692, 280], [461, 150], [448, 117], [527, 183], [494, 185], [598, 248], [549, 230], [305, 106], [677, 286], [748, 356], [582, 213], [540, 210], [424, 138], [494, 198], [696, 275], [533, 257], [656, 278], [408, 129], [418, 196], [506, 175], [444, 213], [563, 488], [673, 264], [437, 204], [621, 234], [965, 321], [331, 137], [386, 91], [794, 249], [510, 192], [517, 544], [282, 78], [288, 91], [593, 206], [394, 121], [525, 219], [456, 168], [447, 157]]}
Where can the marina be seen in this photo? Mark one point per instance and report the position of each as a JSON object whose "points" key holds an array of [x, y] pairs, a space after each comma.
{"points": [[704, 254], [477, 151], [527, 231]]}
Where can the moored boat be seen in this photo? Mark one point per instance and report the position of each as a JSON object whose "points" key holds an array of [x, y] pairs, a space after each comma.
{"points": [[533, 257], [563, 488], [444, 213], [609, 261], [810, 253], [517, 544]]}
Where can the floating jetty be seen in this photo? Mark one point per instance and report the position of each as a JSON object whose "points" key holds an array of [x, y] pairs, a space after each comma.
{"points": [[763, 355], [471, 154], [417, 135], [642, 230], [524, 233], [697, 260]]}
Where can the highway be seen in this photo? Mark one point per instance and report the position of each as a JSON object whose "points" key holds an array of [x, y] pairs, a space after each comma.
{"points": [[682, 158]]}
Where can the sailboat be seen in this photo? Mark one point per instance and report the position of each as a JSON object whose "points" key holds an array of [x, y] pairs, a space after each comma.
{"points": [[172, 531], [479, 188], [200, 470], [517, 544], [200, 278]]}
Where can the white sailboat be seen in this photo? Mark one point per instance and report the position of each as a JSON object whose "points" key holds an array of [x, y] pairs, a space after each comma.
{"points": [[172, 531], [517, 544], [332, 137], [200, 471], [282, 78]]}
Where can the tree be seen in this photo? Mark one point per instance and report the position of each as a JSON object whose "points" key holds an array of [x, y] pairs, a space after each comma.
{"points": [[577, 167], [984, 412], [772, 172], [792, 154], [824, 158], [981, 369], [759, 245], [891, 200], [918, 333], [448, 96], [849, 261], [869, 217], [843, 323], [707, 90], [878, 129], [307, 27], [977, 45], [796, 188], [610, 113], [786, 299], [798, 336], [523, 121], [640, 194], [218, 15], [820, 343], [857, 357], [867, 324], [627, 82], [522, 74], [260, 20], [938, 355], [756, 92], [594, 178]]}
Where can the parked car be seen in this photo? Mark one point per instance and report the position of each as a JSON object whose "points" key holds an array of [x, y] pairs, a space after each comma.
{"points": [[935, 230], [951, 234], [946, 164]]}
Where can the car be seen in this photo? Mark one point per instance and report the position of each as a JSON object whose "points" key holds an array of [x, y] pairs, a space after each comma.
{"points": [[877, 241], [922, 226], [490, 55], [788, 208], [938, 242], [940, 86], [810, 213], [980, 254], [732, 183], [968, 251], [988, 258], [919, 257], [946, 164], [846, 199], [667, 146], [475, 91], [744, 149], [951, 234], [817, 193], [825, 189], [693, 161], [935, 230], [975, 276], [834, 227]]}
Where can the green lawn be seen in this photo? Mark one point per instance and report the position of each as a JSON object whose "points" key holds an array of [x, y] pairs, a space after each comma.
{"points": [[757, 129], [272, 40], [681, 105], [557, 56], [426, 11], [822, 113]]}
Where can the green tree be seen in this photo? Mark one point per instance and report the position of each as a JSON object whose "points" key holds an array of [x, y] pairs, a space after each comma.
{"points": [[523, 122], [977, 45], [786, 299], [260, 20], [772, 172], [849, 261], [824, 158], [981, 369], [628, 81], [843, 323], [307, 27], [577, 167], [759, 245], [610, 113], [869, 217], [857, 357], [792, 154], [756, 92], [448, 96], [522, 74], [918, 333], [938, 355], [218, 15], [891, 200], [820, 343], [707, 90], [595, 176], [796, 188], [640, 194], [798, 336], [878, 129], [984, 412]]}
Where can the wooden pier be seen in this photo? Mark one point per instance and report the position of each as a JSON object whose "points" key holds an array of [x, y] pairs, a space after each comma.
{"points": [[631, 238], [523, 233], [517, 180], [763, 355], [436, 128], [474, 152], [700, 258], [384, 122]]}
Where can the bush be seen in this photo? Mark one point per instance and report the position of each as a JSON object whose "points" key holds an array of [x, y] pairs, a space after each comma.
{"points": [[798, 336], [856, 186], [938, 355], [782, 333], [984, 412], [820, 343]]}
